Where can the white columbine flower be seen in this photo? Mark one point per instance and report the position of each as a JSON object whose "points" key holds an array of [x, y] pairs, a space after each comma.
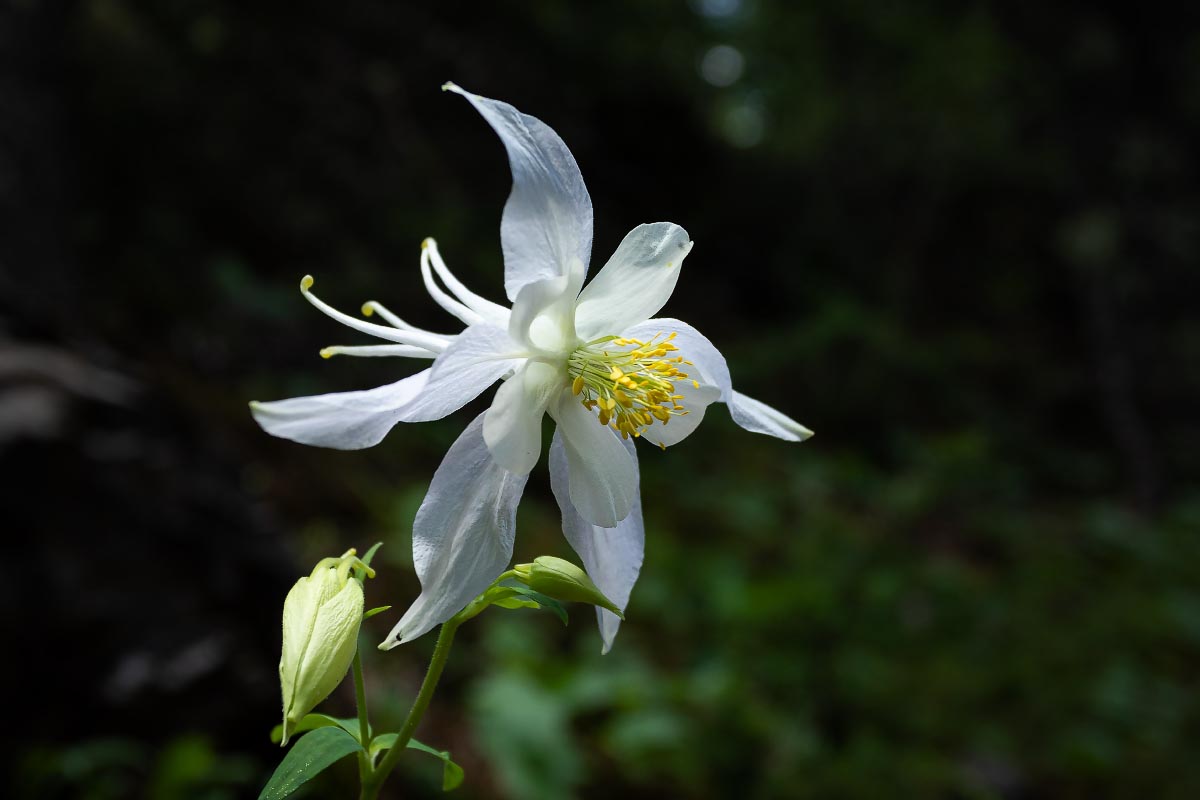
{"points": [[589, 356]]}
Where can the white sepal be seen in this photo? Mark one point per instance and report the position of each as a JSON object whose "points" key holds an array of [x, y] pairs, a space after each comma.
{"points": [[462, 535], [611, 556], [636, 282], [757, 416], [477, 358], [341, 420], [547, 220]]}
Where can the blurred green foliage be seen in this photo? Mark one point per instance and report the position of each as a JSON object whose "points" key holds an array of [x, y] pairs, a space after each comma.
{"points": [[958, 241]]}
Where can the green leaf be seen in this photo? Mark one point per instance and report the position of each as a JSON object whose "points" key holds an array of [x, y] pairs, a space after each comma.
{"points": [[311, 722], [545, 602], [371, 553], [310, 756], [452, 773], [374, 611], [514, 602]]}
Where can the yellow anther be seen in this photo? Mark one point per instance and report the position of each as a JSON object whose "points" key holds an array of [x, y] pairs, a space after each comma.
{"points": [[695, 384], [426, 242], [628, 382], [306, 283], [368, 309], [327, 352]]}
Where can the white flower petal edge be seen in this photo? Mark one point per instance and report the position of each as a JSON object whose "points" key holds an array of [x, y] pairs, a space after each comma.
{"points": [[547, 220], [462, 535], [751, 414], [613, 556], [341, 420]]}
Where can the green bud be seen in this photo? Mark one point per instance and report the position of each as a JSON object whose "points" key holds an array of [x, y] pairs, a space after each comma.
{"points": [[562, 580], [321, 618]]}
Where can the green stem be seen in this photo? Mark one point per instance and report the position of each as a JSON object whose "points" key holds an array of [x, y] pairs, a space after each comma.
{"points": [[441, 651], [364, 725]]}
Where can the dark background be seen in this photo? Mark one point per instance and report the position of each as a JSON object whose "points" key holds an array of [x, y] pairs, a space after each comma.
{"points": [[959, 241]]}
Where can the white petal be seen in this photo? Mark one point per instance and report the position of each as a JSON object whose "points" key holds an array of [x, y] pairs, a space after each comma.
{"points": [[480, 356], [612, 557], [696, 401], [604, 480], [512, 427], [756, 416], [543, 315], [462, 535], [548, 217], [635, 283], [710, 367], [343, 420]]}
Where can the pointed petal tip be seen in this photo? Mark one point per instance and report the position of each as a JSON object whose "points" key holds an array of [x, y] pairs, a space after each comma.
{"points": [[451, 86], [388, 644]]}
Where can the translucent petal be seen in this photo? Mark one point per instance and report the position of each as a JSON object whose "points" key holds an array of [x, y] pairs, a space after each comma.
{"points": [[547, 220], [462, 535], [604, 480], [612, 556], [635, 283], [341, 420]]}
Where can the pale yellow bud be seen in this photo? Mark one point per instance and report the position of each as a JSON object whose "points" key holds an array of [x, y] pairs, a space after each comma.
{"points": [[321, 618]]}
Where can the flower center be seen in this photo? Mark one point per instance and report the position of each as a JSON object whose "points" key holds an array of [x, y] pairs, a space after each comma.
{"points": [[633, 386]]}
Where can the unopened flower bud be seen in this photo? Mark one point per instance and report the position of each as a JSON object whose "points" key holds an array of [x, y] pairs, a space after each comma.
{"points": [[321, 618], [562, 580]]}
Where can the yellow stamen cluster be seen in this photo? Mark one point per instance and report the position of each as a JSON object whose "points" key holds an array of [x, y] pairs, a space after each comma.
{"points": [[630, 381]]}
